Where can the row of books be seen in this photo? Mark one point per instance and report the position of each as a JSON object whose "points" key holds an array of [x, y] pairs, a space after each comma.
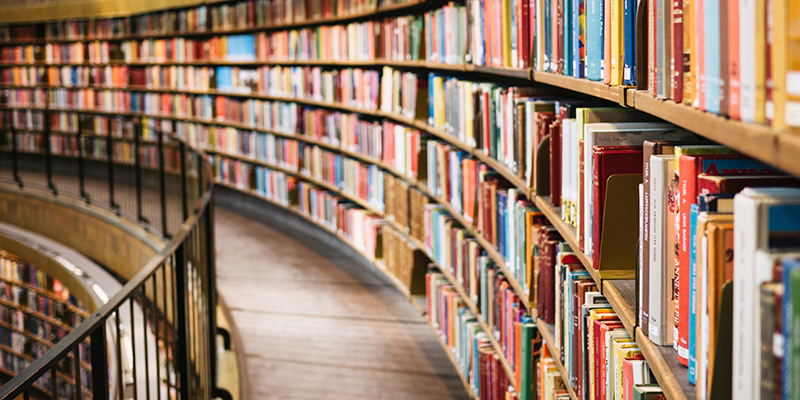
{"points": [[686, 62], [352, 177], [39, 302], [96, 148], [464, 337], [204, 18], [354, 87], [729, 58]]}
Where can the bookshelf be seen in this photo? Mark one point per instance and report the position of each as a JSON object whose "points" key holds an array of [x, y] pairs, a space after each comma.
{"points": [[776, 146], [37, 311]]}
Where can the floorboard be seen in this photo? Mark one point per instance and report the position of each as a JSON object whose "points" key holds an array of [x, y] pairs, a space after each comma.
{"points": [[318, 325]]}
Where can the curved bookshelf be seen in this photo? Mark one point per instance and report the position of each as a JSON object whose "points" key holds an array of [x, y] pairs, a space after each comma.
{"points": [[776, 147]]}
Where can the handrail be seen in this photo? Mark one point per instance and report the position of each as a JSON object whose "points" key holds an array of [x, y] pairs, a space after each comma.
{"points": [[186, 272]]}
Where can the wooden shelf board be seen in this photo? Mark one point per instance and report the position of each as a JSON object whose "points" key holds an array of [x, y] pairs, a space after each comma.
{"points": [[546, 331], [568, 233], [508, 72], [671, 375], [592, 88], [776, 147], [621, 293]]}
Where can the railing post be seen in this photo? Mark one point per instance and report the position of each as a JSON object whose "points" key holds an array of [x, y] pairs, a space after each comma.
{"points": [[182, 344], [162, 184], [48, 158], [14, 156], [183, 181], [81, 178], [211, 280], [99, 355], [137, 167], [110, 152]]}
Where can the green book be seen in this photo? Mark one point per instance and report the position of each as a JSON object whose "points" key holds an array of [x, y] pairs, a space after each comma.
{"points": [[648, 392], [527, 369]]}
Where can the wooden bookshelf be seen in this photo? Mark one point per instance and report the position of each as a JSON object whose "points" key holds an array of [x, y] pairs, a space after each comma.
{"points": [[776, 147], [546, 330]]}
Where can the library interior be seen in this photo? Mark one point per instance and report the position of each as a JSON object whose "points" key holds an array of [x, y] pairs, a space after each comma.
{"points": [[400, 199]]}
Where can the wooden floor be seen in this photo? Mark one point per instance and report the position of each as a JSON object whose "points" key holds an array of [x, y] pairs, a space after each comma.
{"points": [[316, 325]]}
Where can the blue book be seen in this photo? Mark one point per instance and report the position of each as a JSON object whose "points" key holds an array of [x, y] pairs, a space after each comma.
{"points": [[629, 26], [241, 48], [548, 40], [224, 79], [440, 38], [514, 47], [578, 37], [502, 198], [695, 210], [791, 343], [567, 26], [711, 19], [594, 40], [431, 98]]}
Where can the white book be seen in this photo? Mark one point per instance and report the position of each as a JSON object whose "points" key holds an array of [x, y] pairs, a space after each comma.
{"points": [[661, 267], [616, 134], [572, 127], [747, 59], [640, 260], [752, 266]]}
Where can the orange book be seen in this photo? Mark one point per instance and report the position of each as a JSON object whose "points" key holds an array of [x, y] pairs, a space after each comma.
{"points": [[792, 79], [606, 44]]}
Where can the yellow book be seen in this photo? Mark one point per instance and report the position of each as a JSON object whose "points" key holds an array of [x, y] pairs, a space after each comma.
{"points": [[760, 56], [617, 42], [506, 26], [613, 338], [689, 47], [776, 108], [539, 37], [792, 79], [622, 350]]}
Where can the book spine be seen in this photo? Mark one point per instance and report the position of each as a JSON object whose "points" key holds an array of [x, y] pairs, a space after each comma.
{"points": [[676, 60], [693, 294], [747, 60], [594, 39], [629, 48], [767, 322], [660, 273], [712, 55], [734, 68], [609, 33]]}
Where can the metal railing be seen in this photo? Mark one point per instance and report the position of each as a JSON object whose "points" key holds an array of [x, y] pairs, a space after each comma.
{"points": [[154, 339]]}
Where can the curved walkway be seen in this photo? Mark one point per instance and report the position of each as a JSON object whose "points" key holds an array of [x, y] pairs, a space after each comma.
{"points": [[318, 324]]}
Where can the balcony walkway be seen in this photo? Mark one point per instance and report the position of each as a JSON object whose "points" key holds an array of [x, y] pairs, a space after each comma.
{"points": [[317, 324]]}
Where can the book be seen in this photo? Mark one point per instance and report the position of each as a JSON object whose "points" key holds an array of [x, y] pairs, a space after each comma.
{"points": [[760, 211]]}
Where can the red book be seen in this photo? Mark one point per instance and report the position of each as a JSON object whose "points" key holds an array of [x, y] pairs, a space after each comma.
{"points": [[733, 184], [609, 161], [600, 329], [524, 48], [547, 246], [580, 289], [627, 376], [733, 60], [689, 167]]}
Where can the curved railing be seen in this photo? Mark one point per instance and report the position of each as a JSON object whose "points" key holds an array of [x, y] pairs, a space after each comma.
{"points": [[155, 338]]}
